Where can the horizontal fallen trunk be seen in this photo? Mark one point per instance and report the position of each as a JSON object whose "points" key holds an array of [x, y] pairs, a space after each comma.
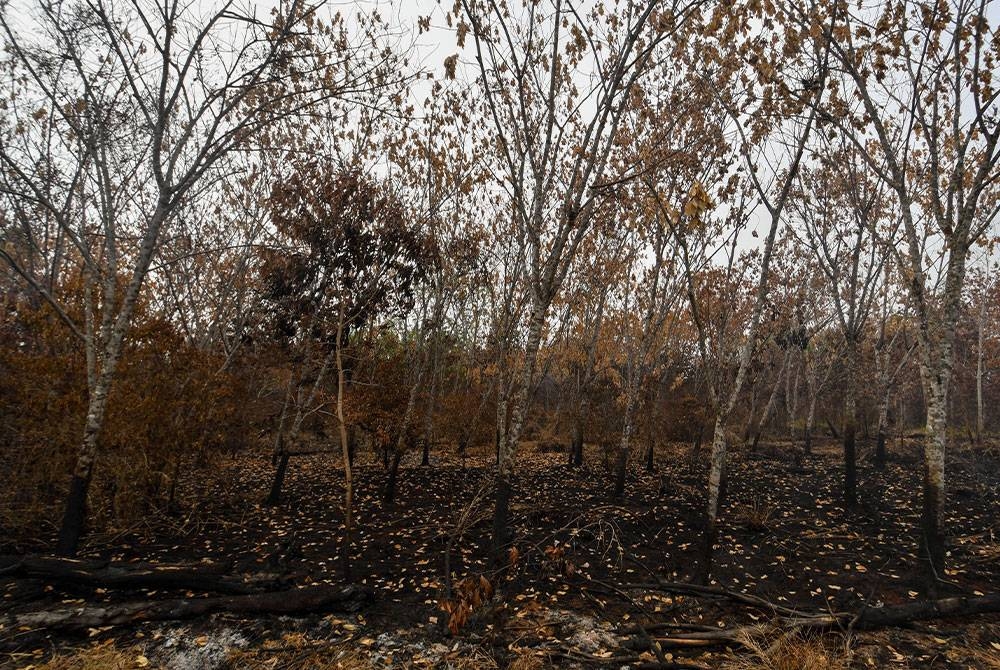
{"points": [[200, 577], [895, 615], [310, 599], [866, 619]]}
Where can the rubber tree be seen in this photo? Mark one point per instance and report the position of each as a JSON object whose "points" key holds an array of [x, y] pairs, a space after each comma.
{"points": [[847, 221], [556, 105], [436, 175], [770, 169], [916, 89], [651, 291], [893, 347], [772, 398], [588, 287], [679, 150]]}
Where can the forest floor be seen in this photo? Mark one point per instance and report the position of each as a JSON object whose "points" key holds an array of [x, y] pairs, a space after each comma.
{"points": [[581, 571]]}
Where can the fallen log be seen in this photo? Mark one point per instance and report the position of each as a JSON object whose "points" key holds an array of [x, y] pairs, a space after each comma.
{"points": [[322, 598], [869, 618], [198, 577]]}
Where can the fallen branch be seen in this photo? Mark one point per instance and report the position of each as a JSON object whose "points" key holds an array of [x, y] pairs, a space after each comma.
{"points": [[200, 577], [683, 588], [310, 599]]}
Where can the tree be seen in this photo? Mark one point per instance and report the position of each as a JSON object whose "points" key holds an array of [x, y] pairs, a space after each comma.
{"points": [[764, 107], [848, 225], [916, 98], [349, 256], [121, 119]]}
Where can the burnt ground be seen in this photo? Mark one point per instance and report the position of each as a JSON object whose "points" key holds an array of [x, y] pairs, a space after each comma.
{"points": [[581, 557]]}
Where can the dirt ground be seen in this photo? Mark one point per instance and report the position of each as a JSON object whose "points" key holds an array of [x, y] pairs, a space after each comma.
{"points": [[581, 566]]}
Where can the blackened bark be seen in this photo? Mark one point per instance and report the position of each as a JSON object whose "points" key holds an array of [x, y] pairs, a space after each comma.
{"points": [[501, 513], [279, 479], [73, 519], [321, 598], [621, 469], [932, 544], [576, 447], [850, 467], [390, 483]]}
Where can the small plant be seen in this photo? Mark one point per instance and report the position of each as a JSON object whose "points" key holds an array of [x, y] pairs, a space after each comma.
{"points": [[756, 516], [467, 596]]}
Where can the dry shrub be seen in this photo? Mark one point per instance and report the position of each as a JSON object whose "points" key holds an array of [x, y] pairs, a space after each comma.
{"points": [[526, 661], [293, 657], [794, 651], [171, 407], [755, 516], [468, 595], [104, 656], [467, 659]]}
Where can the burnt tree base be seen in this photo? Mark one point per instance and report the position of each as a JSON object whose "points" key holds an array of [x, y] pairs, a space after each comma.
{"points": [[274, 497], [74, 517]]}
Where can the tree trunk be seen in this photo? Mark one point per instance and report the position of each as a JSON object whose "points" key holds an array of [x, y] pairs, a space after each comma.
{"points": [[980, 422], [621, 470], [883, 421], [390, 483], [771, 402], [428, 437], [625, 444], [280, 457], [279, 478], [696, 446], [650, 456], [76, 502], [851, 419], [792, 399], [508, 442], [345, 450], [197, 577], [750, 414], [934, 483], [322, 598], [715, 475], [576, 445], [282, 441], [850, 451]]}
